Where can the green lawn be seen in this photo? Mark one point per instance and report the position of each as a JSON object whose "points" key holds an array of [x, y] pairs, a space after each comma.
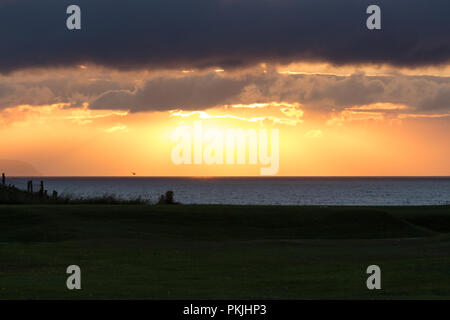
{"points": [[215, 252]]}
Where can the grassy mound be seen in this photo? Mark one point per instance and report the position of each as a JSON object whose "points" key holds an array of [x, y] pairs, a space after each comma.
{"points": [[223, 252], [52, 223]]}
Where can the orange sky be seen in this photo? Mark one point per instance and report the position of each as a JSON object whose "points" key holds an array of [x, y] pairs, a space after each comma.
{"points": [[386, 139]]}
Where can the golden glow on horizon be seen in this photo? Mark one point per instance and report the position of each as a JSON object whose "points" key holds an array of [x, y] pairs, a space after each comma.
{"points": [[372, 139], [75, 141]]}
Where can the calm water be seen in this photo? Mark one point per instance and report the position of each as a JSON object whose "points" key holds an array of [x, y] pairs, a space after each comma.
{"points": [[285, 191]]}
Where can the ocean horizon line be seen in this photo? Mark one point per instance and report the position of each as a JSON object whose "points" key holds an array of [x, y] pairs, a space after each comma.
{"points": [[228, 177]]}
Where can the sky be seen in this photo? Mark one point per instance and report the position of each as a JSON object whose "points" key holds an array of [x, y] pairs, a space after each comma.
{"points": [[106, 100]]}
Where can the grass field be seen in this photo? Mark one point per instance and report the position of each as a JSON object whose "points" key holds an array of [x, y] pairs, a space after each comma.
{"points": [[216, 252]]}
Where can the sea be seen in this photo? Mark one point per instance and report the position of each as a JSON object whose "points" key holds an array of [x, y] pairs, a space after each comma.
{"points": [[361, 191]]}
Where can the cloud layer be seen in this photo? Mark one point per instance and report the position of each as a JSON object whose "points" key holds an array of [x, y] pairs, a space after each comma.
{"points": [[227, 33], [200, 91], [321, 92]]}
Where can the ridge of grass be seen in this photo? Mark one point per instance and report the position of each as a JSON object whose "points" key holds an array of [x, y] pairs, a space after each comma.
{"points": [[223, 252]]}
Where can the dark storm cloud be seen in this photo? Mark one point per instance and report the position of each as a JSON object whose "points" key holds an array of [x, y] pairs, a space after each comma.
{"points": [[138, 34]]}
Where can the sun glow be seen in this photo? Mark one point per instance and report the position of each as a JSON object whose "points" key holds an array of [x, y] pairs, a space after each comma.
{"points": [[316, 138]]}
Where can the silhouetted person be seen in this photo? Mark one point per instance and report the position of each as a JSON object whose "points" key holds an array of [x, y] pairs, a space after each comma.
{"points": [[162, 199], [41, 190], [169, 197]]}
